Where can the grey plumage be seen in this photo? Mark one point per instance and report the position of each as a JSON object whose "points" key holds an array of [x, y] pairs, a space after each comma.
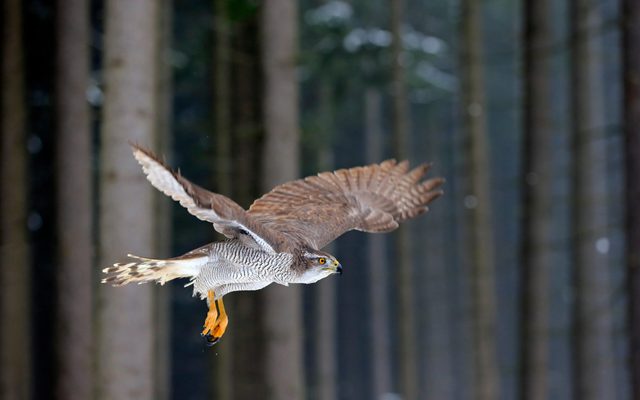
{"points": [[232, 266], [224, 267]]}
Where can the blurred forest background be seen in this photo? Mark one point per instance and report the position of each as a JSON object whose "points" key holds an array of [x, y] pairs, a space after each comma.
{"points": [[521, 283]]}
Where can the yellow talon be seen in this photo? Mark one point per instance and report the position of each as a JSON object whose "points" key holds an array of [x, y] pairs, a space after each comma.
{"points": [[212, 315], [222, 322], [217, 320]]}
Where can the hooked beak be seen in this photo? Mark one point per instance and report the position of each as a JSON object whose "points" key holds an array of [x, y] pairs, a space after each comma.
{"points": [[336, 268]]}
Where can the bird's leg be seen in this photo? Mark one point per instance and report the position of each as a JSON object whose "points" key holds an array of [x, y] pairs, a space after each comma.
{"points": [[212, 315], [221, 323], [216, 322]]}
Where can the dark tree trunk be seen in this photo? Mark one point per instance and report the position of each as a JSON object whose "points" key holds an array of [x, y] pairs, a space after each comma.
{"points": [[74, 173], [406, 309], [537, 223], [222, 361], [377, 260], [631, 71], [247, 344], [325, 299], [15, 306], [162, 214], [433, 269], [222, 97], [593, 352], [487, 377], [283, 305]]}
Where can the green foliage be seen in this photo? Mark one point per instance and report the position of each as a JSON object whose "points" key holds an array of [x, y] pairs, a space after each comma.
{"points": [[241, 10]]}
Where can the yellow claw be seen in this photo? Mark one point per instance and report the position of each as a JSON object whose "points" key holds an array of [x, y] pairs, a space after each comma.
{"points": [[217, 320], [212, 315], [221, 323]]}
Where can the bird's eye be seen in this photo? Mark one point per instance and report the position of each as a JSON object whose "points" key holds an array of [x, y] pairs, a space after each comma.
{"points": [[322, 260]]}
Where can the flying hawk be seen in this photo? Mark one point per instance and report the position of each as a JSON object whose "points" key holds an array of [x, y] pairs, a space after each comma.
{"points": [[278, 240]]}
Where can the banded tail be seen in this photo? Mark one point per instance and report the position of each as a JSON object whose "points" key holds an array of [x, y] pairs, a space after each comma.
{"points": [[155, 270]]}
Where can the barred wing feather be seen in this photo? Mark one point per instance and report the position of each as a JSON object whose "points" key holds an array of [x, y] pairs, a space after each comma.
{"points": [[226, 215], [375, 198]]}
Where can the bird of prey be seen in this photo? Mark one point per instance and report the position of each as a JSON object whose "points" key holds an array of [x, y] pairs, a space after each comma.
{"points": [[280, 237]]}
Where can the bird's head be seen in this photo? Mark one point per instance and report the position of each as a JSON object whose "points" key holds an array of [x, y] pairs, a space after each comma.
{"points": [[318, 265]]}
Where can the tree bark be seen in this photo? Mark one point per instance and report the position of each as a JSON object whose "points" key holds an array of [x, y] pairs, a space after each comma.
{"points": [[222, 93], [326, 342], [434, 268], [537, 223], [377, 261], [631, 71], [247, 345], [162, 213], [593, 353], [222, 360], [74, 174], [125, 326], [406, 309], [15, 306], [283, 314], [487, 385], [325, 291]]}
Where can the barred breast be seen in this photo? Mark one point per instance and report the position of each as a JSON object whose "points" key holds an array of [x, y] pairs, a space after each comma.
{"points": [[231, 262]]}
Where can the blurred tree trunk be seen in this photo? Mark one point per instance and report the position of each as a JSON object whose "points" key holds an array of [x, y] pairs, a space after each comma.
{"points": [[15, 267], [487, 375], [325, 332], [125, 327], [323, 375], [593, 353], [222, 166], [406, 310], [247, 345], [283, 305], [222, 95], [593, 358], [377, 260], [325, 291], [74, 174], [631, 71], [438, 372], [162, 213], [537, 223], [438, 376]]}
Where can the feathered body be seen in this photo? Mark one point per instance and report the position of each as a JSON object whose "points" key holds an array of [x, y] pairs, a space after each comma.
{"points": [[278, 239], [226, 266]]}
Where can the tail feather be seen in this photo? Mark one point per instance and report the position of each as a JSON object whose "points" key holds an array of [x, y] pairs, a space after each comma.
{"points": [[144, 269]]}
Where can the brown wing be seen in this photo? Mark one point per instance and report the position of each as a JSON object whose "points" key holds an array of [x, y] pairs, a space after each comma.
{"points": [[375, 198], [226, 215]]}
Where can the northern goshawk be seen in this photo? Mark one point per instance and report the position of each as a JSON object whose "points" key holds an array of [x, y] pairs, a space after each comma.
{"points": [[278, 240]]}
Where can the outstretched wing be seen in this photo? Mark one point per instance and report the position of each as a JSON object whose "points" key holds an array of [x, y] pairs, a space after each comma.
{"points": [[375, 198], [226, 215]]}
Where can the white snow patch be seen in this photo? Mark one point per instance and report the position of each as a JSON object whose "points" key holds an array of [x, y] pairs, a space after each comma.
{"points": [[331, 12], [470, 201], [603, 245]]}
